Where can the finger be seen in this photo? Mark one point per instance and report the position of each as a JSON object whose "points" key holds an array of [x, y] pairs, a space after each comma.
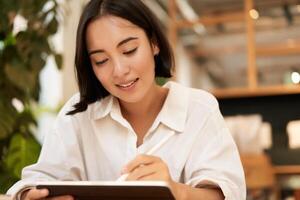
{"points": [[141, 171], [157, 171], [139, 160], [152, 177], [36, 194]]}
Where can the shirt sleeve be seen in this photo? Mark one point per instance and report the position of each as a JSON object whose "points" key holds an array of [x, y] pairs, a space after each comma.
{"points": [[214, 158], [60, 157]]}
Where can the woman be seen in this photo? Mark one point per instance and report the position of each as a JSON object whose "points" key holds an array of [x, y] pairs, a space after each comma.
{"points": [[121, 113]]}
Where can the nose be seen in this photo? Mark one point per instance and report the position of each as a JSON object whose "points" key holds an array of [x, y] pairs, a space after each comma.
{"points": [[121, 68]]}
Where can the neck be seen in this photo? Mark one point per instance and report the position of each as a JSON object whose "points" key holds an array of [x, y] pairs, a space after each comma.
{"points": [[151, 104]]}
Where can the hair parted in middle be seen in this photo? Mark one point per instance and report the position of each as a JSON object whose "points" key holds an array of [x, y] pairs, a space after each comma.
{"points": [[136, 12]]}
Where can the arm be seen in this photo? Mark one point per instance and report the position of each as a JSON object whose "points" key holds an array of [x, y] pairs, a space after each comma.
{"points": [[59, 159], [145, 168], [213, 160], [186, 192]]}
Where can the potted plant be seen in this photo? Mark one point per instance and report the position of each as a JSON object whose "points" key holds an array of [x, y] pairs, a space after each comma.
{"points": [[23, 54]]}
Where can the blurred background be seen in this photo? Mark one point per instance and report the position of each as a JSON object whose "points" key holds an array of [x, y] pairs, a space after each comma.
{"points": [[245, 52]]}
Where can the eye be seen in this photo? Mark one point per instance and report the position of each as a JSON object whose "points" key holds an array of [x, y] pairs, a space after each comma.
{"points": [[130, 51], [101, 62]]}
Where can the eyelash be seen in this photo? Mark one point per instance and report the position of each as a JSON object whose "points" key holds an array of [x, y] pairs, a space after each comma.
{"points": [[101, 62], [130, 52], [126, 53]]}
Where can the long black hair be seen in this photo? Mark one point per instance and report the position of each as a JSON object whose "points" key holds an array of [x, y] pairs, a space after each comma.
{"points": [[137, 13]]}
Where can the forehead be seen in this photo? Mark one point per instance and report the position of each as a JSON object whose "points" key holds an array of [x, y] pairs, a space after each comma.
{"points": [[109, 28], [115, 21]]}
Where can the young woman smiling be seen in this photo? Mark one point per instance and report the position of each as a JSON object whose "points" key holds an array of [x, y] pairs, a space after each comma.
{"points": [[120, 113]]}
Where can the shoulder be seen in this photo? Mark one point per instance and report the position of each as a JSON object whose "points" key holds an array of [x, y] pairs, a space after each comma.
{"points": [[94, 110], [69, 105], [63, 119], [197, 97]]}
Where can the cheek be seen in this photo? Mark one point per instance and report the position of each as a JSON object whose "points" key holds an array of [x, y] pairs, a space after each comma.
{"points": [[101, 75], [145, 62]]}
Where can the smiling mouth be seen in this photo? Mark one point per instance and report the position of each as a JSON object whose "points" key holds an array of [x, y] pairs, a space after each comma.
{"points": [[127, 85]]}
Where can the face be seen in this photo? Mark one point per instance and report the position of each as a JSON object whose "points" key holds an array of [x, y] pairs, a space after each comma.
{"points": [[122, 57]]}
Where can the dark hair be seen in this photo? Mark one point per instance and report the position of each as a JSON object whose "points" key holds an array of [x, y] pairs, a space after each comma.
{"points": [[137, 13]]}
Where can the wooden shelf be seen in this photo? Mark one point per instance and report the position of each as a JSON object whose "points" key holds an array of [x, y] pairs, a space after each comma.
{"points": [[253, 50], [259, 91], [287, 169], [280, 49], [212, 20], [289, 48]]}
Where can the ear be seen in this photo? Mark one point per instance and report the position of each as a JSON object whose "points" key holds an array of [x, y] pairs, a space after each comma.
{"points": [[155, 50], [155, 47]]}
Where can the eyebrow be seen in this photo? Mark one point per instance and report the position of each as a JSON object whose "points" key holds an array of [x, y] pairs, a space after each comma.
{"points": [[119, 44]]}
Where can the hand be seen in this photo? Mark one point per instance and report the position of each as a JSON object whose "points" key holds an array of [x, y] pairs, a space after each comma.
{"points": [[35, 194], [151, 168], [147, 168]]}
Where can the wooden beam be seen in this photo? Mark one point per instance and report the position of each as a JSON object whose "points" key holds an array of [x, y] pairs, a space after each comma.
{"points": [[279, 49], [212, 20], [207, 7], [251, 54], [172, 10], [221, 51]]}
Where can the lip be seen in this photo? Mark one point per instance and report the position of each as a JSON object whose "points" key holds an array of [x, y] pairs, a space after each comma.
{"points": [[127, 85]]}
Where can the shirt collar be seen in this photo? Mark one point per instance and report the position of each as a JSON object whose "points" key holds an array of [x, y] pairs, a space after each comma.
{"points": [[173, 113], [101, 108], [174, 110]]}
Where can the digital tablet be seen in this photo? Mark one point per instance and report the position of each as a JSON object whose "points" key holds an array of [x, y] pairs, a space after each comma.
{"points": [[107, 190]]}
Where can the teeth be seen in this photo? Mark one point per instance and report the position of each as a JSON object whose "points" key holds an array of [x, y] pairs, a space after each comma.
{"points": [[127, 85]]}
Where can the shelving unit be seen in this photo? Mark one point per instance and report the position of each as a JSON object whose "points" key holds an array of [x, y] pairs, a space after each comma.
{"points": [[284, 170], [277, 104], [257, 91], [254, 50]]}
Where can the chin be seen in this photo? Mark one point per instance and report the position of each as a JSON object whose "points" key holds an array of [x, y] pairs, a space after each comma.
{"points": [[131, 99]]}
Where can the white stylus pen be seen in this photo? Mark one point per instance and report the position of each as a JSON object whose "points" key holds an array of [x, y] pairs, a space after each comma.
{"points": [[151, 151]]}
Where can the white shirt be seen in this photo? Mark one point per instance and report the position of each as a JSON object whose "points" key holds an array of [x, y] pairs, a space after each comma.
{"points": [[95, 144]]}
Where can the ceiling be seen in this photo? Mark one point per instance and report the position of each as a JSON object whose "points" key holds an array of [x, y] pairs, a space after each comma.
{"points": [[204, 7], [220, 49]]}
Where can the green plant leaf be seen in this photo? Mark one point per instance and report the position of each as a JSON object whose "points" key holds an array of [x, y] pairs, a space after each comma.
{"points": [[6, 125], [52, 26], [22, 151], [7, 180], [10, 40], [161, 80], [20, 76], [58, 60], [7, 120], [37, 63], [22, 57], [25, 121]]}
